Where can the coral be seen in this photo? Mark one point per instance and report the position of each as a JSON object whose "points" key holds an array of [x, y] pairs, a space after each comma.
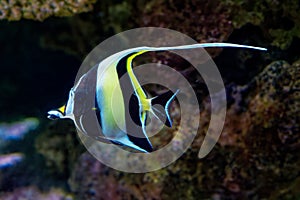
{"points": [[8, 160], [269, 101], [204, 21], [17, 130], [32, 193], [278, 19], [59, 146], [262, 132], [277, 99], [92, 180], [14, 10]]}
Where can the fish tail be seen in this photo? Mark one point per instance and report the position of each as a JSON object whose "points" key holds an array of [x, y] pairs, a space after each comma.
{"points": [[160, 106]]}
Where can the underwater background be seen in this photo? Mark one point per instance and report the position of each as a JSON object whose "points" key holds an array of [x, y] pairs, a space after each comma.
{"points": [[42, 45]]}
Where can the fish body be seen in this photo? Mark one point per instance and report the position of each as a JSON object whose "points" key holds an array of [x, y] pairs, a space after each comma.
{"points": [[115, 109]]}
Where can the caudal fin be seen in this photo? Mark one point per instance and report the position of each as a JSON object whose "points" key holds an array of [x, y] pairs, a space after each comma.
{"points": [[160, 106]]}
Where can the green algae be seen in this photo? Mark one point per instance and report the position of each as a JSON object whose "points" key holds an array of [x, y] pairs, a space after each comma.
{"points": [[279, 20], [59, 146], [14, 10]]}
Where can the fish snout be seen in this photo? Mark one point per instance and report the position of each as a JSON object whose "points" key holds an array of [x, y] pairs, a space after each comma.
{"points": [[54, 114]]}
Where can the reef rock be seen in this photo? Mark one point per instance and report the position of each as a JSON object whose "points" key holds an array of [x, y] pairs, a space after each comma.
{"points": [[32, 193], [14, 10]]}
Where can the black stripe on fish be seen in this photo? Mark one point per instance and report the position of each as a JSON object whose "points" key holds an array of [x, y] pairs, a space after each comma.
{"points": [[132, 110], [97, 111], [121, 66], [126, 87]]}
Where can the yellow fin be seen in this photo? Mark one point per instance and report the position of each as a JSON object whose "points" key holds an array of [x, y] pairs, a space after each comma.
{"points": [[62, 109]]}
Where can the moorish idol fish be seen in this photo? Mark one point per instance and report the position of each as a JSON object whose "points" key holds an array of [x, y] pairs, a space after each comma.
{"points": [[109, 99]]}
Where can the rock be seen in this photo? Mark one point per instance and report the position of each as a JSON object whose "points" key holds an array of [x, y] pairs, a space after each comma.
{"points": [[14, 10]]}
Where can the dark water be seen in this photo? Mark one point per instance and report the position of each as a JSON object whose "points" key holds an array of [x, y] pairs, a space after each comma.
{"points": [[33, 79]]}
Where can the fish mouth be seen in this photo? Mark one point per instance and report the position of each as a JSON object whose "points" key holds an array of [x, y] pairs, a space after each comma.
{"points": [[54, 115]]}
